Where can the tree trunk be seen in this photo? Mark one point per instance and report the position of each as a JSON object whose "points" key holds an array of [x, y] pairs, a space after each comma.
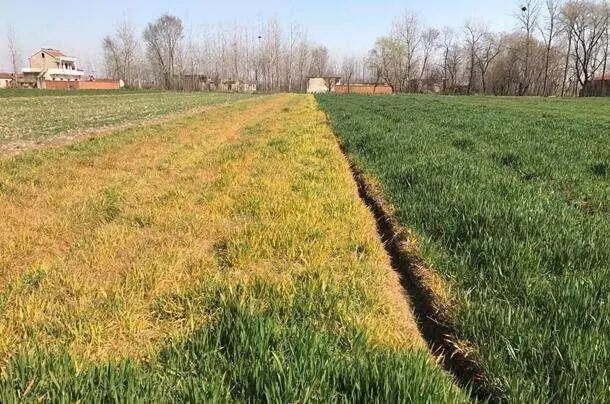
{"points": [[567, 64]]}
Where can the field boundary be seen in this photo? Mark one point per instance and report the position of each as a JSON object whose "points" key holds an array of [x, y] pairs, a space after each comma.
{"points": [[431, 311], [16, 147]]}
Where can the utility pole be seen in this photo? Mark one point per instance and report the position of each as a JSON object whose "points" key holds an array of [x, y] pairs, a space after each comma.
{"points": [[257, 62]]}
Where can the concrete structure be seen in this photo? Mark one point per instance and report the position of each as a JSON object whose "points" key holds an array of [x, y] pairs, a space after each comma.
{"points": [[317, 85], [361, 88], [53, 65]]}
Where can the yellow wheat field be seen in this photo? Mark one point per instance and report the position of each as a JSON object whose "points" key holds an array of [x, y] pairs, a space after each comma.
{"points": [[104, 244]]}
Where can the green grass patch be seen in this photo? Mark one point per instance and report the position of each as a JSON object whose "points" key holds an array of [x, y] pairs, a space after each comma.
{"points": [[252, 351], [29, 92], [35, 115], [511, 198]]}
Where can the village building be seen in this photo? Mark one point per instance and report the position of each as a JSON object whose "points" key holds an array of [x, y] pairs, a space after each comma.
{"points": [[51, 69], [201, 82], [236, 86], [52, 65]]}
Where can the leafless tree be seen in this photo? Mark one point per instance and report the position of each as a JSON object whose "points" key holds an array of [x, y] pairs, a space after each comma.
{"points": [[589, 25], [220, 56], [528, 21], [319, 61], [474, 33], [129, 51], [122, 54], [606, 39], [303, 61], [555, 49], [447, 45], [386, 61], [295, 33], [14, 52], [349, 69], [549, 31], [556, 52], [111, 57], [272, 55], [568, 16], [407, 31], [429, 41], [489, 50], [163, 40]]}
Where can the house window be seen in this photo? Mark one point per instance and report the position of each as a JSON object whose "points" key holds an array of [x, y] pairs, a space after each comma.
{"points": [[43, 55]]}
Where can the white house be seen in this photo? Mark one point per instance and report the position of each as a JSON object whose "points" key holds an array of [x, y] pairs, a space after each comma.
{"points": [[54, 65]]}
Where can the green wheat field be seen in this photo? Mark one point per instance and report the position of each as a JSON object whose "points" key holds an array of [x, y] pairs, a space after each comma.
{"points": [[511, 201]]}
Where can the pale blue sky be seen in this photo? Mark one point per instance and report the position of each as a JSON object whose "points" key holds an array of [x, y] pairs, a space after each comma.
{"points": [[77, 26]]}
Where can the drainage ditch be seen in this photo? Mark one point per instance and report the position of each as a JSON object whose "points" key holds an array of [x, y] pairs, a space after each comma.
{"points": [[436, 329]]}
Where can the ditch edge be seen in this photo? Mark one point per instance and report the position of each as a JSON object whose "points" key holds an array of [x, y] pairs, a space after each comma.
{"points": [[432, 320]]}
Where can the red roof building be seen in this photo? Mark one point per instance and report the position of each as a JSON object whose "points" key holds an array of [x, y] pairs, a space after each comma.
{"points": [[53, 52]]}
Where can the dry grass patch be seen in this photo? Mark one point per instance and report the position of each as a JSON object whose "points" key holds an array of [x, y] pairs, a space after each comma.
{"points": [[114, 247], [97, 236], [93, 234]]}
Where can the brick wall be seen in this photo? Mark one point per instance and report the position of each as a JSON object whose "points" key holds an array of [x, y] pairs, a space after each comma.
{"points": [[80, 85], [98, 85], [363, 89], [59, 85]]}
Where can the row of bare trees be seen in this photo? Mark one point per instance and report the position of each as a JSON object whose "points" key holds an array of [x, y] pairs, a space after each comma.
{"points": [[273, 57], [557, 47]]}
